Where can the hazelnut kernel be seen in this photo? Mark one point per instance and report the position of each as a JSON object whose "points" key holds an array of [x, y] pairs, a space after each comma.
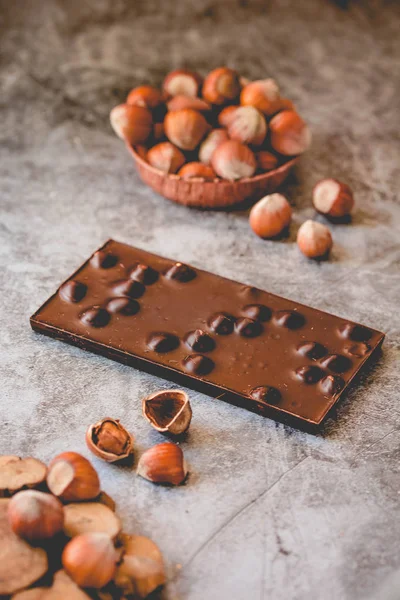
{"points": [[314, 239], [290, 135], [185, 128], [197, 170], [221, 86], [131, 123], [233, 160], [270, 216], [211, 143], [166, 157], [333, 198]]}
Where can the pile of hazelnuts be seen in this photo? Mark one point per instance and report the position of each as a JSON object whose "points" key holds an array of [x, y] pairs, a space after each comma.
{"points": [[228, 128], [222, 127]]}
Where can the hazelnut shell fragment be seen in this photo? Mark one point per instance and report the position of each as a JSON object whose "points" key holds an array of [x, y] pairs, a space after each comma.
{"points": [[142, 569], [163, 463], [20, 473], [109, 440], [168, 411]]}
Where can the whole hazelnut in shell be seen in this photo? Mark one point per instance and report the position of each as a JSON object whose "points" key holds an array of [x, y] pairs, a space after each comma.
{"points": [[35, 515], [197, 170], [185, 128], [333, 198], [221, 86], [247, 125], [270, 216], [211, 143], [314, 239], [182, 81], [145, 95], [233, 160], [263, 94], [290, 135], [90, 559], [131, 123], [166, 157]]}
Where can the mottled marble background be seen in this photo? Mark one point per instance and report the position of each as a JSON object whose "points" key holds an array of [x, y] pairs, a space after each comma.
{"points": [[268, 512]]}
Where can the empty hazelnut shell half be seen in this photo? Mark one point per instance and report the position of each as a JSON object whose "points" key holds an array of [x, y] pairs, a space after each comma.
{"points": [[109, 440], [168, 411]]}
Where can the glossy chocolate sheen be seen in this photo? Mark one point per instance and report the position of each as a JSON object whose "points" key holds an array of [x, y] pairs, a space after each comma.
{"points": [[257, 350]]}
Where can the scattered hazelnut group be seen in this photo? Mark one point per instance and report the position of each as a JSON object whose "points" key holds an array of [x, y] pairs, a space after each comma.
{"points": [[271, 216], [234, 127]]}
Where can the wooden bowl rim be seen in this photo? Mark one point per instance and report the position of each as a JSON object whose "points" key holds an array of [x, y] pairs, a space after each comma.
{"points": [[245, 180]]}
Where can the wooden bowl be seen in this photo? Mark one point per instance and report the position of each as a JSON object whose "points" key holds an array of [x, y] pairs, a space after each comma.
{"points": [[220, 193]]}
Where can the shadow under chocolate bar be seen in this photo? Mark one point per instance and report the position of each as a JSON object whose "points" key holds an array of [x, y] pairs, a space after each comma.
{"points": [[243, 345]]}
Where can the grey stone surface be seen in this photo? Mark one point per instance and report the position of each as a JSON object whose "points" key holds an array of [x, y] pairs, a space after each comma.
{"points": [[268, 512]]}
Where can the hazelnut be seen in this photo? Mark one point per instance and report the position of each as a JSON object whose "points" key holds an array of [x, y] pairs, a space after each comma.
{"points": [[163, 463], [290, 135], [131, 123], [145, 95], [179, 102], [211, 142], [185, 128], [168, 411], [333, 198], [182, 81], [314, 239], [247, 125], [286, 104], [263, 94], [109, 440], [166, 157], [221, 86], [270, 216], [35, 515], [266, 160], [71, 477], [142, 569], [197, 170], [233, 160], [90, 559], [225, 117]]}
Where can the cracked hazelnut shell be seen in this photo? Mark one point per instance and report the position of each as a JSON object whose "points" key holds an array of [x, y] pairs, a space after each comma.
{"points": [[109, 440], [168, 411]]}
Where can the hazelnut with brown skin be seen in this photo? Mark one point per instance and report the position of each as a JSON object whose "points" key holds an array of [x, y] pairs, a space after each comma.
{"points": [[90, 560], [182, 81], [109, 440], [179, 102], [248, 125], [35, 515], [221, 86], [314, 239], [211, 143], [233, 160], [163, 463], [185, 128], [226, 115], [333, 198], [71, 477], [197, 170], [266, 160], [270, 216], [145, 95], [263, 94], [290, 135], [166, 157], [131, 123]]}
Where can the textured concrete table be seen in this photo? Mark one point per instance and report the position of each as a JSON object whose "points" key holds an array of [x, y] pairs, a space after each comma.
{"points": [[268, 512]]}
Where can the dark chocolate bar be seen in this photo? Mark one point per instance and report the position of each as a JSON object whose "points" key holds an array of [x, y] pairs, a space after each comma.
{"points": [[257, 350]]}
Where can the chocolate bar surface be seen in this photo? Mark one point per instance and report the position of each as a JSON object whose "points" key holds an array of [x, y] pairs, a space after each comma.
{"points": [[244, 345]]}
